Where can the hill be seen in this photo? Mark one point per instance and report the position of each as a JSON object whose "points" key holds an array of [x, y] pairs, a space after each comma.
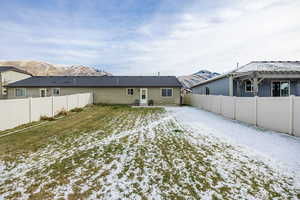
{"points": [[193, 79], [38, 68]]}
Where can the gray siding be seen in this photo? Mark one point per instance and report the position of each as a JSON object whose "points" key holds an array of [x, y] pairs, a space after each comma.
{"points": [[217, 87], [298, 88], [264, 89], [221, 87]]}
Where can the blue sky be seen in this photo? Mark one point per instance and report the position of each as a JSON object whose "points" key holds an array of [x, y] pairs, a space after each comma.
{"points": [[145, 37]]}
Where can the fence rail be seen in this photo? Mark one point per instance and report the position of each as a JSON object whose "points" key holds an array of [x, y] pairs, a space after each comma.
{"points": [[16, 112], [275, 113]]}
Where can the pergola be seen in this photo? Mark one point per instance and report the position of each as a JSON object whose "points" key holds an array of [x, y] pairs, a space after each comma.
{"points": [[256, 77]]}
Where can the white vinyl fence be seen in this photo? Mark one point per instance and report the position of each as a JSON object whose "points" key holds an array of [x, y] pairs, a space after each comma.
{"points": [[16, 112], [275, 113]]}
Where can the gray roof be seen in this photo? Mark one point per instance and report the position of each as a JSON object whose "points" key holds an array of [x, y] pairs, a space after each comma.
{"points": [[98, 81], [262, 67], [12, 68], [270, 66]]}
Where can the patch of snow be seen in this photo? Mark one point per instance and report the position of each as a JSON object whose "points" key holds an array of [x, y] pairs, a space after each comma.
{"points": [[279, 148], [270, 66]]}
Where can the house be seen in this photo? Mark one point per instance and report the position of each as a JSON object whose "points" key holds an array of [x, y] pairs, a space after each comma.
{"points": [[10, 74], [258, 78], [161, 90]]}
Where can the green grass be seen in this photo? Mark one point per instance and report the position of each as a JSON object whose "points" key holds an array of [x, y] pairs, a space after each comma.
{"points": [[133, 152]]}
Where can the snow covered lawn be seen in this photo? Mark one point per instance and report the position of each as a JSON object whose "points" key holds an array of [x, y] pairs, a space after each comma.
{"points": [[112, 152]]}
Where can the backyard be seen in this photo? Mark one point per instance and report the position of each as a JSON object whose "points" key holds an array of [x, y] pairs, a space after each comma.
{"points": [[120, 152]]}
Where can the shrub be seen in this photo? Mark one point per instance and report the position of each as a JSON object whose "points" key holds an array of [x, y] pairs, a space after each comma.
{"points": [[150, 102], [46, 118], [63, 112], [178, 131], [76, 110], [136, 102]]}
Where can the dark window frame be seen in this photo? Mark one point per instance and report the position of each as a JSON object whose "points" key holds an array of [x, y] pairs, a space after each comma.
{"points": [[247, 86], [167, 92], [130, 91]]}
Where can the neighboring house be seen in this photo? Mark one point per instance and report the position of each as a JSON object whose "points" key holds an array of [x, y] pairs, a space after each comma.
{"points": [[162, 90], [258, 78], [9, 74]]}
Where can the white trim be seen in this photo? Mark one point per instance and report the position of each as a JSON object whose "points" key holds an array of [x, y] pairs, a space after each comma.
{"points": [[4, 91], [41, 89], [279, 88], [246, 86], [55, 89], [144, 101], [166, 96], [25, 93], [127, 94]]}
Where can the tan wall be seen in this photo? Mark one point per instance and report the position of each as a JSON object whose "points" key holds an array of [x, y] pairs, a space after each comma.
{"points": [[10, 77], [275, 113], [109, 95]]}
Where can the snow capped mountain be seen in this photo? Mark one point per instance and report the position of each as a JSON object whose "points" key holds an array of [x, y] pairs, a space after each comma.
{"points": [[190, 80], [38, 68]]}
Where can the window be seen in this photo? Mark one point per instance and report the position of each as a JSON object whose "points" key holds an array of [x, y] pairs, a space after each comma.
{"points": [[56, 91], [4, 91], [248, 86], [207, 92], [166, 92], [43, 92], [20, 92], [130, 91], [280, 88]]}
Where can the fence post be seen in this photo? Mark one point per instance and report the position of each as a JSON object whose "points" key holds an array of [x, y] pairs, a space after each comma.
{"points": [[67, 100], [234, 107], [221, 105], [30, 109], [77, 100], [201, 97], [291, 115], [52, 98], [220, 101], [255, 110]]}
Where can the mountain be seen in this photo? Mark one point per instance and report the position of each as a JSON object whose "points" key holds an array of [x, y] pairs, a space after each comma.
{"points": [[38, 68], [193, 79]]}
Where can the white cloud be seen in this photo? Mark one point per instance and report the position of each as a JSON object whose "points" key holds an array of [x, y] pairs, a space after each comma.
{"points": [[173, 43], [243, 32]]}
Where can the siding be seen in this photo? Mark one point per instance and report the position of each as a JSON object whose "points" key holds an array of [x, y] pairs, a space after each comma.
{"points": [[264, 89], [111, 95], [217, 87], [298, 88], [7, 77]]}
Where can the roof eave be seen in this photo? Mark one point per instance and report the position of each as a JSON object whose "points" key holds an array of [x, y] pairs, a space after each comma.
{"points": [[212, 79]]}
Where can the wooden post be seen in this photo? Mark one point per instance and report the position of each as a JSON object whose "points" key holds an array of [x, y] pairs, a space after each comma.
{"points": [[230, 85], [255, 86], [238, 87]]}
